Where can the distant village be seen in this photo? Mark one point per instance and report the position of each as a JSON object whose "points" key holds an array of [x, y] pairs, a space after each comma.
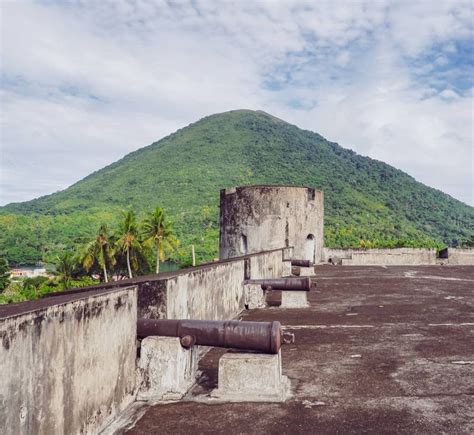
{"points": [[29, 272]]}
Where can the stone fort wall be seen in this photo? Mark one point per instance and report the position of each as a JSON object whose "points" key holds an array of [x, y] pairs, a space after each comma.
{"points": [[69, 361]]}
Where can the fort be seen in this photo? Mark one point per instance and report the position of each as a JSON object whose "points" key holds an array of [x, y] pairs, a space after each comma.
{"points": [[382, 338]]}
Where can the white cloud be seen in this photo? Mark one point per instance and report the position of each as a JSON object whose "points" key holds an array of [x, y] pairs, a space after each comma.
{"points": [[86, 82]]}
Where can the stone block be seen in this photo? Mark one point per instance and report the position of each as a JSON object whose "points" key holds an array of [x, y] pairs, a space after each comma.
{"points": [[254, 296], [288, 253], [307, 271], [286, 268], [167, 369], [251, 377], [294, 299]]}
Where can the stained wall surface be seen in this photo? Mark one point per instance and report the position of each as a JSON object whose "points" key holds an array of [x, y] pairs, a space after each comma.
{"points": [[68, 367], [213, 292], [260, 218], [458, 256], [68, 362], [397, 257], [209, 291]]}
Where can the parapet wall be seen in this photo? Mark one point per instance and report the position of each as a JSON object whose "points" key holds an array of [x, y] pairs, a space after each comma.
{"points": [[213, 291], [458, 256], [209, 291], [213, 294], [67, 364], [374, 257], [396, 257]]}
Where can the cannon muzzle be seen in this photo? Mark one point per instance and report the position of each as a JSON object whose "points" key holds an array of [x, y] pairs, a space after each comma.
{"points": [[283, 283], [265, 337], [296, 270], [302, 263]]}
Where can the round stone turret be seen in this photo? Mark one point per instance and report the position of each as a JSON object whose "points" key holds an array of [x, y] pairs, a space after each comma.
{"points": [[261, 218]]}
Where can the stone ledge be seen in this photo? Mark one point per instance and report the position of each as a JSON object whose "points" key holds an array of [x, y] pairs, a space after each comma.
{"points": [[294, 299], [254, 296], [167, 370], [251, 377], [307, 271]]}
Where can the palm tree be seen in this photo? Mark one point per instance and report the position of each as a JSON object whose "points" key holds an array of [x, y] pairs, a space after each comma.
{"points": [[4, 274], [34, 285], [159, 231], [65, 268], [99, 250], [128, 238]]}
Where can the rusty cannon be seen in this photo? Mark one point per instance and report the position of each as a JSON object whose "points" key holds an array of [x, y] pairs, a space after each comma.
{"points": [[265, 337], [301, 267], [302, 263], [302, 284]]}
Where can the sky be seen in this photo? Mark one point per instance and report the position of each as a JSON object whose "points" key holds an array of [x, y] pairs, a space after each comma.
{"points": [[85, 82]]}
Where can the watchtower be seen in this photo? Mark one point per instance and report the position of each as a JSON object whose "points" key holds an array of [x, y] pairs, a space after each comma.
{"points": [[261, 218]]}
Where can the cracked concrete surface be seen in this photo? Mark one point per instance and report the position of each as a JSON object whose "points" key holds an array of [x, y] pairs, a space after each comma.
{"points": [[400, 363]]}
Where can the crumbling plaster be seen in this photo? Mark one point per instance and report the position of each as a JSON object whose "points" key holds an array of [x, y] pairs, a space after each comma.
{"points": [[69, 367]]}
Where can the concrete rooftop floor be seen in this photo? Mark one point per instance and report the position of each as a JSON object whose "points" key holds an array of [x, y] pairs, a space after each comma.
{"points": [[381, 350]]}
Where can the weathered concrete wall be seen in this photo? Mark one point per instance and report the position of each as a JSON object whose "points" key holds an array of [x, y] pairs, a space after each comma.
{"points": [[337, 253], [152, 298], [371, 257], [266, 265], [214, 291], [67, 367], [458, 256], [392, 259], [211, 293], [68, 362], [260, 218]]}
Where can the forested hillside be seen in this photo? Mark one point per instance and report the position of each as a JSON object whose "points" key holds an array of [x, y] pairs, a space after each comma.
{"points": [[368, 203]]}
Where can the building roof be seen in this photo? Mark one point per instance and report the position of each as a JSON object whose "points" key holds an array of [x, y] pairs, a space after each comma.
{"points": [[380, 350]]}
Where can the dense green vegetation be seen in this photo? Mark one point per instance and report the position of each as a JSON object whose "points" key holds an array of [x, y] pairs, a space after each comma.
{"points": [[4, 274], [25, 289], [68, 273], [129, 250], [367, 202]]}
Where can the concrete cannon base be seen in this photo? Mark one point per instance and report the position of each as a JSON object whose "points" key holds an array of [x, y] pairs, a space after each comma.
{"points": [[307, 271], [251, 377], [167, 369], [294, 299], [286, 269], [254, 296]]}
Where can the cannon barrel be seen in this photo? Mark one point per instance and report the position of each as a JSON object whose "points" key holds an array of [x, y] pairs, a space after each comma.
{"points": [[303, 283], [265, 337], [302, 263]]}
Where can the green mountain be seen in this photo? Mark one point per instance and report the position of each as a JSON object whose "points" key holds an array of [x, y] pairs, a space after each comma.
{"points": [[367, 202]]}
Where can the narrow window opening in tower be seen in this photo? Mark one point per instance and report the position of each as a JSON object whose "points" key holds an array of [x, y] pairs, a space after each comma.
{"points": [[243, 244], [247, 273], [443, 253], [310, 248], [311, 194], [287, 234]]}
